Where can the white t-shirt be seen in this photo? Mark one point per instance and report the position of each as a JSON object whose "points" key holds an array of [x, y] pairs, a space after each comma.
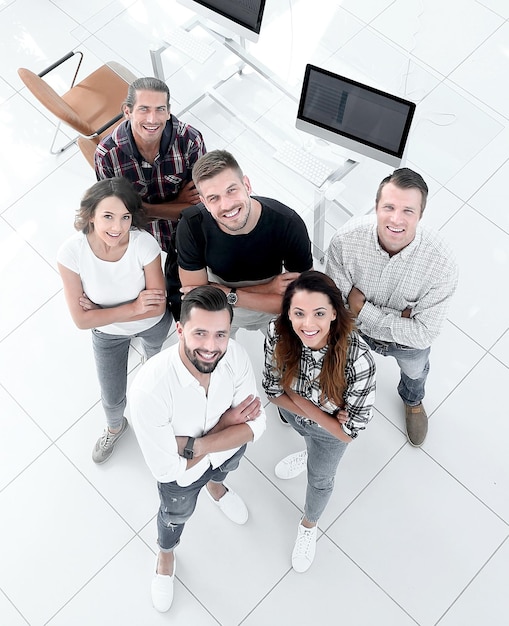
{"points": [[111, 283]]}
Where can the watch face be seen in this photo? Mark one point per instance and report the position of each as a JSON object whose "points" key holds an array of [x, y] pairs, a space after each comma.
{"points": [[232, 298]]}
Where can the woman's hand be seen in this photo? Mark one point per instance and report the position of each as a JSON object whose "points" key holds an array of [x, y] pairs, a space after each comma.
{"points": [[86, 304], [342, 416], [148, 300]]}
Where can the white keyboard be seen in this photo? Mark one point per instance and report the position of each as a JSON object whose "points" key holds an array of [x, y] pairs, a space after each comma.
{"points": [[187, 43], [304, 163]]}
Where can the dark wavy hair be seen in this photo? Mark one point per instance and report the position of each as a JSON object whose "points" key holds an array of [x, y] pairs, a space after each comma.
{"points": [[120, 188], [289, 347]]}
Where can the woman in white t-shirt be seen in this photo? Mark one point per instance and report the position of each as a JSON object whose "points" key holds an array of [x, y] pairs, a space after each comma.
{"points": [[114, 285]]}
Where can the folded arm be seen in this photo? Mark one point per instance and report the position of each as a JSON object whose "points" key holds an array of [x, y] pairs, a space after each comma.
{"points": [[266, 297], [151, 302]]}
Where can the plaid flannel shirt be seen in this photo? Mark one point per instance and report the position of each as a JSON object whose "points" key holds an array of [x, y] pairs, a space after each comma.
{"points": [[360, 371], [181, 146]]}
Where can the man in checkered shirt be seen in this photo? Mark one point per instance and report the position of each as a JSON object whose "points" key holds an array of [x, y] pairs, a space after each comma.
{"points": [[156, 152], [397, 278]]}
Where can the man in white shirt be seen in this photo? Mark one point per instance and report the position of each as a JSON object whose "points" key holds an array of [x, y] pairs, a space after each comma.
{"points": [[194, 409], [397, 278]]}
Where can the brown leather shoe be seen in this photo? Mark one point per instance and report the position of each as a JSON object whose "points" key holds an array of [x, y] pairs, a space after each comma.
{"points": [[416, 424]]}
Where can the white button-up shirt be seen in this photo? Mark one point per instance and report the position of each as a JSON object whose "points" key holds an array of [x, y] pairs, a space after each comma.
{"points": [[167, 401]]}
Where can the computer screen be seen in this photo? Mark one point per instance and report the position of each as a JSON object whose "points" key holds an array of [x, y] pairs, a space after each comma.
{"points": [[242, 17], [357, 117]]}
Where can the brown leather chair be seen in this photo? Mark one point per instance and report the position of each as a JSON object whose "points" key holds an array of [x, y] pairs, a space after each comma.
{"points": [[91, 107]]}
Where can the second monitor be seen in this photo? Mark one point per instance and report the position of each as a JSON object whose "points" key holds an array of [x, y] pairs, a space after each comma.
{"points": [[357, 117], [242, 17]]}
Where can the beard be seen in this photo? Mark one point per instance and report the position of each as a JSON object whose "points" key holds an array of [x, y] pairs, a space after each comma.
{"points": [[204, 367], [240, 225]]}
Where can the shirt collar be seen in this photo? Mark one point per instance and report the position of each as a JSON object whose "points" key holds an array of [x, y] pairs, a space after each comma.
{"points": [[316, 355]]}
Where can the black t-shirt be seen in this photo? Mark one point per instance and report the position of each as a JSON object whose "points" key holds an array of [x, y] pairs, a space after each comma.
{"points": [[279, 239]]}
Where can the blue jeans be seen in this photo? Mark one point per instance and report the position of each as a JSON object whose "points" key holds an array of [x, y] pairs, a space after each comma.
{"points": [[110, 352], [413, 364], [178, 503], [324, 454]]}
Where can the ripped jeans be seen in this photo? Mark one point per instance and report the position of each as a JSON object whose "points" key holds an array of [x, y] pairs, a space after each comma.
{"points": [[178, 503]]}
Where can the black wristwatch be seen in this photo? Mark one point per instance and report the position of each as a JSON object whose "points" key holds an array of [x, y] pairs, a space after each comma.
{"points": [[232, 297], [188, 450]]}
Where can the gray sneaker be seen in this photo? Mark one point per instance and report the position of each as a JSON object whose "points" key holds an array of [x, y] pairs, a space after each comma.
{"points": [[106, 442]]}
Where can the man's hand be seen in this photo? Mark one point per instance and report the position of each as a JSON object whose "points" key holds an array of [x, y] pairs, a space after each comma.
{"points": [[188, 194], [356, 300], [278, 284]]}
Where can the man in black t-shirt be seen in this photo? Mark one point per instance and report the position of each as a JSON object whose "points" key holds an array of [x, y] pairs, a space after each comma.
{"points": [[250, 247]]}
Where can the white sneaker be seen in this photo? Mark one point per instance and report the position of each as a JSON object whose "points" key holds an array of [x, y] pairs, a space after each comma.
{"points": [[304, 549], [162, 588], [292, 465], [231, 505]]}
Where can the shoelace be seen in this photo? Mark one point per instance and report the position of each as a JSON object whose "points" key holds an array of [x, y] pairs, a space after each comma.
{"points": [[297, 461], [303, 542], [107, 438]]}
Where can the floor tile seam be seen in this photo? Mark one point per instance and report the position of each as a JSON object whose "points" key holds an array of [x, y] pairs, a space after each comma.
{"points": [[474, 577], [466, 488], [39, 308], [326, 530], [476, 101], [96, 489], [479, 45], [460, 382], [152, 520], [28, 243], [67, 15], [372, 19], [485, 108], [490, 177], [62, 161], [14, 606], [22, 471], [411, 56], [267, 594], [472, 339], [384, 591], [299, 509], [497, 226], [86, 583]]}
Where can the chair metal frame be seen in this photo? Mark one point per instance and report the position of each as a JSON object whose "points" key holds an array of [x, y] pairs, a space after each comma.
{"points": [[97, 132]]}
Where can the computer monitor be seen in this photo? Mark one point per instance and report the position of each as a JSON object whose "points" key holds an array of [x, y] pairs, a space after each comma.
{"points": [[241, 17], [357, 117]]}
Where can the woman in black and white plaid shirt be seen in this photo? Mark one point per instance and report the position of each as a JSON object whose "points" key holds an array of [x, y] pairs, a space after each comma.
{"points": [[321, 375]]}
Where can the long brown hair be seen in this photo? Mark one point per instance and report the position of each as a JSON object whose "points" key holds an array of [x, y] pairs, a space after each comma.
{"points": [[289, 347]]}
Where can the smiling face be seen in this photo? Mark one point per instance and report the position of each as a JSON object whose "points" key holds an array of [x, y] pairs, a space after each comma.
{"points": [[398, 212], [203, 339], [226, 197], [111, 222], [148, 117], [311, 314]]}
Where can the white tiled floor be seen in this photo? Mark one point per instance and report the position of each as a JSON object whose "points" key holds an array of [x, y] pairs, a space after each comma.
{"points": [[410, 536]]}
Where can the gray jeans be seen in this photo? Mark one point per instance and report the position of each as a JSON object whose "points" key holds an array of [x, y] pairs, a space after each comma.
{"points": [[178, 503], [110, 352], [324, 454]]}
